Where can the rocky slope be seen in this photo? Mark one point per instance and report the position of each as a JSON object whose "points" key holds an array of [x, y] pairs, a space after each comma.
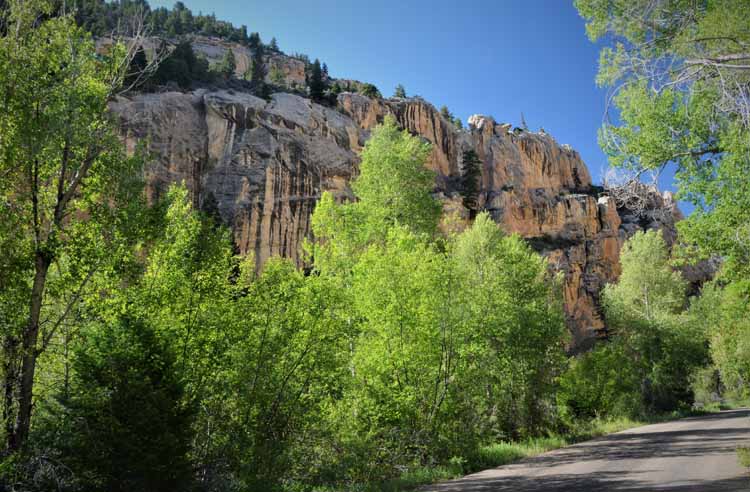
{"points": [[264, 165]]}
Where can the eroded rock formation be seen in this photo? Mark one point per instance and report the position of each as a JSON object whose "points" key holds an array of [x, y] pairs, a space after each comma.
{"points": [[266, 163]]}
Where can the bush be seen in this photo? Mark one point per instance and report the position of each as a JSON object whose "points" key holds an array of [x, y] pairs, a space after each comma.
{"points": [[599, 383]]}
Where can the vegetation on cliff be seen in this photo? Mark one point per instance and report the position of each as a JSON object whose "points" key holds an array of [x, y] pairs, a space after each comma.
{"points": [[104, 18]]}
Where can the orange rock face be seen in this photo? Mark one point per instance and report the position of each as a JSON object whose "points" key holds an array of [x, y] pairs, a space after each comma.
{"points": [[265, 164]]}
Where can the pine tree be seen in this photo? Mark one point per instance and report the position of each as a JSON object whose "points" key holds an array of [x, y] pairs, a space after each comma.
{"points": [[316, 83], [470, 179], [228, 64], [445, 113], [273, 45], [400, 92], [127, 414], [254, 41], [325, 71], [258, 71], [459, 124]]}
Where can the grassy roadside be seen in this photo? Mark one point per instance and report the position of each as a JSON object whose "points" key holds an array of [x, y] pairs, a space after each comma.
{"points": [[503, 453], [743, 452]]}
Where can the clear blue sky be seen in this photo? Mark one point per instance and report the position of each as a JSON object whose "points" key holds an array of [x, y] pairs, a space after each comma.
{"points": [[499, 58]]}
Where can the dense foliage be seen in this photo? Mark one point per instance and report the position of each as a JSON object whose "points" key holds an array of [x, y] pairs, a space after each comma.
{"points": [[680, 81], [455, 342], [58, 158], [159, 361], [656, 343]]}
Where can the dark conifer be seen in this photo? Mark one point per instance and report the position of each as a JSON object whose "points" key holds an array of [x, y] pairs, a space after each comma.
{"points": [[470, 179], [316, 83]]}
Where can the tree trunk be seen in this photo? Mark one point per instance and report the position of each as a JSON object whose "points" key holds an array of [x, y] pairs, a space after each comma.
{"points": [[10, 371], [30, 353]]}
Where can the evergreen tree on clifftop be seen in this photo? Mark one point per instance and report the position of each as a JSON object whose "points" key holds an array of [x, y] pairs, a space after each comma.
{"points": [[315, 82], [228, 64], [258, 71]]}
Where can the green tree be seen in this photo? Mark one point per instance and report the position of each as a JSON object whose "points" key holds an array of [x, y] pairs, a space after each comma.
{"points": [[273, 45], [285, 365], [400, 92], [258, 71], [344, 231], [471, 175], [370, 90], [644, 311], [648, 286], [515, 329], [129, 422], [445, 113], [393, 186], [315, 82], [181, 66], [227, 65], [405, 360], [693, 111], [722, 313], [58, 157], [254, 41], [186, 278], [184, 289]]}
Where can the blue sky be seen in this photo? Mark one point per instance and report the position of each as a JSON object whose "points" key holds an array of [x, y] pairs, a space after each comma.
{"points": [[499, 58]]}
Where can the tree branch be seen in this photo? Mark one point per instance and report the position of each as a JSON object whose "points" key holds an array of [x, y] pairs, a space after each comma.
{"points": [[47, 337]]}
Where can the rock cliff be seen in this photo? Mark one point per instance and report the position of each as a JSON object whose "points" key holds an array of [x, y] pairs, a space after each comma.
{"points": [[264, 165]]}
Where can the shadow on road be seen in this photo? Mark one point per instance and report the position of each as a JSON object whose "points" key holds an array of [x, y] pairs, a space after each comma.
{"points": [[623, 461], [584, 483]]}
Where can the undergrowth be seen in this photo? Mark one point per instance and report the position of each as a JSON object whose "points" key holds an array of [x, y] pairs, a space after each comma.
{"points": [[506, 452]]}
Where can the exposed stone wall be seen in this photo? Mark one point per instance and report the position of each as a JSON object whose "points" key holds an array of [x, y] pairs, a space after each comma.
{"points": [[267, 163]]}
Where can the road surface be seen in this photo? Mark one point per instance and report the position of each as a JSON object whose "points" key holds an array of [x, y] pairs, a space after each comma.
{"points": [[695, 454]]}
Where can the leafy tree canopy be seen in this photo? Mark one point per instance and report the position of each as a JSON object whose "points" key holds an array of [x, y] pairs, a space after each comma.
{"points": [[679, 72]]}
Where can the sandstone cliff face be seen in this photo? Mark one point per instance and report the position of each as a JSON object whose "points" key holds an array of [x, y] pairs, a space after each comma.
{"points": [[266, 163]]}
